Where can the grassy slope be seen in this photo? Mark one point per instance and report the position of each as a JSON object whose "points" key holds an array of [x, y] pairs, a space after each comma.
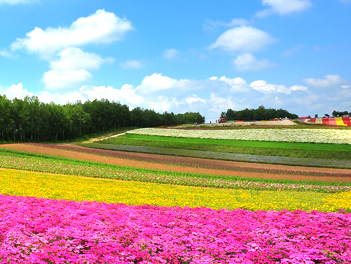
{"points": [[283, 149]]}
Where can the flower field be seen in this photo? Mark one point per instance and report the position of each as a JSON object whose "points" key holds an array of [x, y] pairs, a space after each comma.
{"points": [[331, 136], [75, 188], [59, 231], [70, 204]]}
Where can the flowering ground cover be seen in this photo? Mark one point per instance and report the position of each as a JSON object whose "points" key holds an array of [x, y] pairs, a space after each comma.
{"points": [[332, 136], [172, 174], [59, 231], [81, 154], [91, 170], [69, 187], [258, 125]]}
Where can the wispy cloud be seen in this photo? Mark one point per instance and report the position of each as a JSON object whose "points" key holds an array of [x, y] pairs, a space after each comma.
{"points": [[265, 87], [294, 50], [328, 81], [211, 24], [283, 7], [170, 53], [248, 62], [6, 53], [131, 64], [16, 2]]}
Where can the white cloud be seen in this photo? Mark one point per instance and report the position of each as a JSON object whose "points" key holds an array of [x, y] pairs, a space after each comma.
{"points": [[126, 94], [16, 91], [76, 59], [283, 7], [345, 86], [193, 99], [100, 27], [162, 104], [7, 54], [15, 2], [131, 64], [130, 95], [328, 81], [61, 98], [263, 86], [298, 88], [170, 53], [218, 104], [69, 70], [248, 62], [243, 39], [66, 79], [68, 63], [237, 85], [158, 83], [210, 24]]}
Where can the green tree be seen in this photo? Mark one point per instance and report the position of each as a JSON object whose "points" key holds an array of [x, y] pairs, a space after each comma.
{"points": [[5, 116]]}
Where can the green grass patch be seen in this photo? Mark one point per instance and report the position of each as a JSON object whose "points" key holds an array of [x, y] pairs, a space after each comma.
{"points": [[241, 143], [282, 149]]}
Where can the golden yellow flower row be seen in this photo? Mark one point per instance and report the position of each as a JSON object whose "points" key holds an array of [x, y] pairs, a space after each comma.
{"points": [[26, 183]]}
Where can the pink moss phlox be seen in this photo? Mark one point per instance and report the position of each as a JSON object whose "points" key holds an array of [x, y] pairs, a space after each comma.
{"points": [[37, 230]]}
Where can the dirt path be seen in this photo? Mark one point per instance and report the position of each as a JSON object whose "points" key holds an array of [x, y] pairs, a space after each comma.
{"points": [[111, 135]]}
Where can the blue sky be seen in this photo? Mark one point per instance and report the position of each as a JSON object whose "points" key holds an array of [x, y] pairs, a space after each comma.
{"points": [[176, 56]]}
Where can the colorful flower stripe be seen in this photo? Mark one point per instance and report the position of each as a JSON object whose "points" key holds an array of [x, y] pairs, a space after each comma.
{"points": [[114, 160], [98, 157], [58, 167], [76, 188], [331, 136], [51, 231], [204, 163], [335, 121]]}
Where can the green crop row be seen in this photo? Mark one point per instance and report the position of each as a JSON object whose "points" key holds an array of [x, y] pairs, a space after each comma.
{"points": [[281, 149]]}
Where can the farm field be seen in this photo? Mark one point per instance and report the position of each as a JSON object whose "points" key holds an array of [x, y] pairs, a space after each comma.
{"points": [[282, 149], [65, 203]]}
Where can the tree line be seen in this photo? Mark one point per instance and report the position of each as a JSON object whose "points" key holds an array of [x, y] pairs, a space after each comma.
{"points": [[261, 113], [340, 113], [32, 120]]}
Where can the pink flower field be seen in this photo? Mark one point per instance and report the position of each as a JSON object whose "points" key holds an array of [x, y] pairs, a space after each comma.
{"points": [[37, 230]]}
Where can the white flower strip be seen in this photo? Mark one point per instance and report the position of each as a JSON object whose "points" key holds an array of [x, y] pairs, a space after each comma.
{"points": [[331, 136]]}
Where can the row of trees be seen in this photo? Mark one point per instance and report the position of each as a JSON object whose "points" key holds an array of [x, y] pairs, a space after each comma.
{"points": [[32, 120], [261, 113], [340, 113], [335, 114]]}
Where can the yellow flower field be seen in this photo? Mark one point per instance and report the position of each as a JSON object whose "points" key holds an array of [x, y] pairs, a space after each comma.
{"points": [[68, 187]]}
